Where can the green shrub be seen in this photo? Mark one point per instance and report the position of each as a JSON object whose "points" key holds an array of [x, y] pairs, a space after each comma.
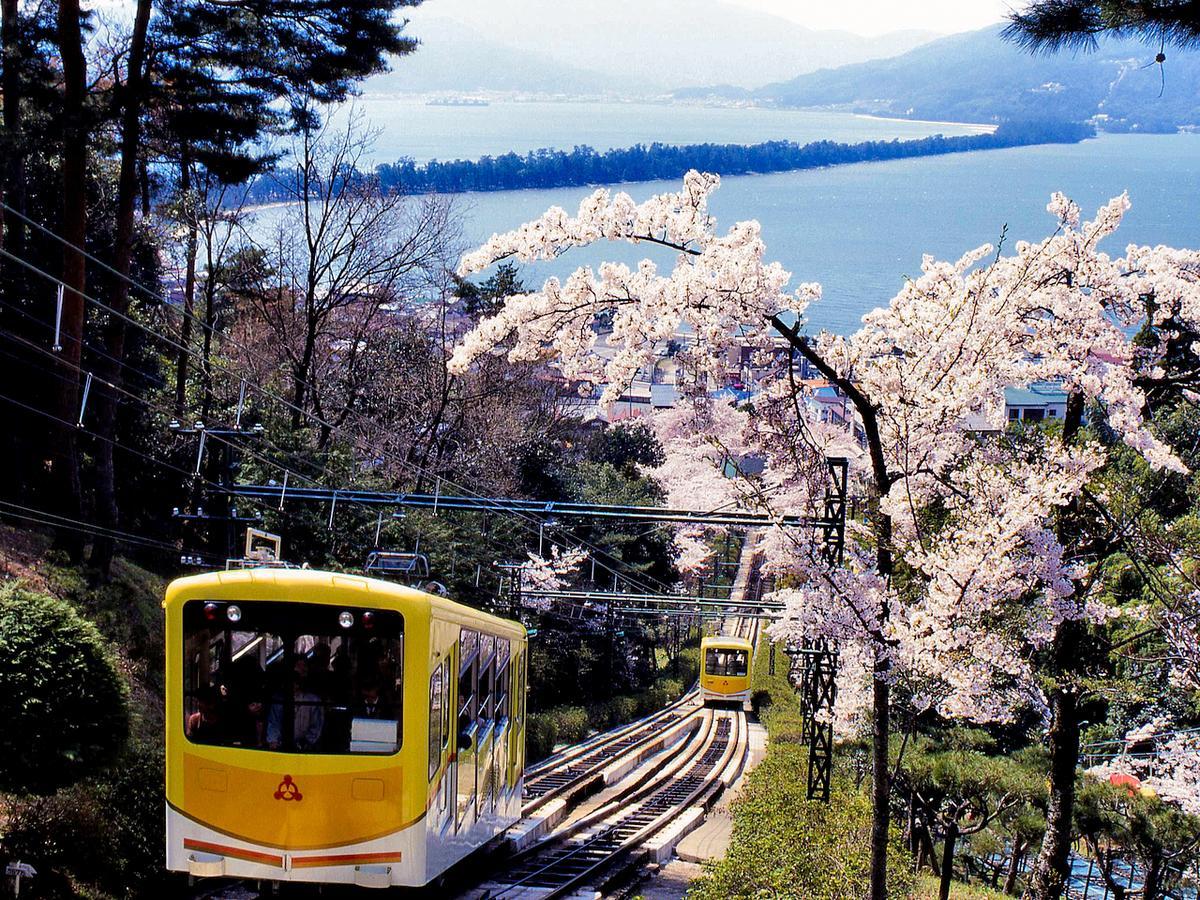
{"points": [[573, 723], [541, 734], [99, 838], [63, 701]]}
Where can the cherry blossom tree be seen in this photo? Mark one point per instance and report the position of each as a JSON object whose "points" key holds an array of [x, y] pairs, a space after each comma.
{"points": [[550, 573], [968, 565]]}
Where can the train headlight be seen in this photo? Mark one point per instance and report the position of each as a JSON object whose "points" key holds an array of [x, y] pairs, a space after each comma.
{"points": [[234, 613], [345, 618]]}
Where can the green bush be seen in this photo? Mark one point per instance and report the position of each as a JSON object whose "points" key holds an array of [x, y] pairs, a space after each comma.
{"points": [[100, 838], [541, 735], [573, 723], [63, 701]]}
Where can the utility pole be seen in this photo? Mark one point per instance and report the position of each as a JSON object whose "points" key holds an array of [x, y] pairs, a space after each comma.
{"points": [[221, 520]]}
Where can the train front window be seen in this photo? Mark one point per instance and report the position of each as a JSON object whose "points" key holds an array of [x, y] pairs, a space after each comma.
{"points": [[720, 661], [292, 677]]}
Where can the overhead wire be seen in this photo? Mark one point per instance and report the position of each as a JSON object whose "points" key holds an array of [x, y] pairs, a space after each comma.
{"points": [[46, 517], [191, 475], [194, 476], [532, 522]]}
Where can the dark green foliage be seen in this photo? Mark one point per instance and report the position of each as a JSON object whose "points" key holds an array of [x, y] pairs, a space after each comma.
{"points": [[628, 445], [1051, 25], [62, 698], [584, 165], [225, 75], [103, 837], [487, 297]]}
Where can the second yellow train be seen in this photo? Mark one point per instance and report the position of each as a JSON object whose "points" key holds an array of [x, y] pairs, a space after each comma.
{"points": [[725, 670]]}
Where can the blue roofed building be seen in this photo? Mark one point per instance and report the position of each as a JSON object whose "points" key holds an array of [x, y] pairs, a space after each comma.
{"points": [[1040, 401]]}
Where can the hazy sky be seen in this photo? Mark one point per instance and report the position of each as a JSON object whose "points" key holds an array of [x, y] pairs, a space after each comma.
{"points": [[877, 16]]}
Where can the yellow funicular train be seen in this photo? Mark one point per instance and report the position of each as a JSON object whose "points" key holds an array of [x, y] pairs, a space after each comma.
{"points": [[332, 728], [725, 670]]}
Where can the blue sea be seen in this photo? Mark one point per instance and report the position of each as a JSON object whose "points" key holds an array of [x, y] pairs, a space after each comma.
{"points": [[857, 229]]}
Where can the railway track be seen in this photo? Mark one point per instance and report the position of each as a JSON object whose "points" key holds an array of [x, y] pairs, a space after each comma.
{"points": [[598, 847], [578, 768]]}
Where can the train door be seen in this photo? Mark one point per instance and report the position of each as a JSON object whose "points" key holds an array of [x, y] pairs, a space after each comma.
{"points": [[467, 736], [503, 722], [440, 773], [445, 800], [517, 705], [485, 773]]}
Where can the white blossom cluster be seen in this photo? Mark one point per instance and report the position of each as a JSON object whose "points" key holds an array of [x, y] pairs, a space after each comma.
{"points": [[1181, 628], [550, 573], [719, 288], [990, 582]]}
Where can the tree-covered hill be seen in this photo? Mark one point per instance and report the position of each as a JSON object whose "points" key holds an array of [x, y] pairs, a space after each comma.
{"points": [[979, 77]]}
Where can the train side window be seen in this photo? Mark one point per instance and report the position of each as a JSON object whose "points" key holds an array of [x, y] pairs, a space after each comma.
{"points": [[467, 688], [503, 676], [446, 712], [436, 705], [487, 675]]}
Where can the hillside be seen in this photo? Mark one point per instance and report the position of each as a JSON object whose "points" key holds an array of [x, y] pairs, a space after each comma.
{"points": [[977, 76], [533, 47], [456, 58]]}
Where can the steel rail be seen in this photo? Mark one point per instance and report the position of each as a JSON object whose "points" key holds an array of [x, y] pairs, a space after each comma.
{"points": [[576, 767], [629, 821], [513, 505]]}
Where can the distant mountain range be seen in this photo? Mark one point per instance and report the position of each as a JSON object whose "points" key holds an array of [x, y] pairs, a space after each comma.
{"points": [[455, 58], [625, 47], [979, 77]]}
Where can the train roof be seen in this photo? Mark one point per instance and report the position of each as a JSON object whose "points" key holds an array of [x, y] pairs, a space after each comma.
{"points": [[194, 587], [726, 640]]}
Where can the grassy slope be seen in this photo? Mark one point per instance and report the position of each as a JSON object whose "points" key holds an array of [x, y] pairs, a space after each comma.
{"points": [[784, 845], [927, 889]]}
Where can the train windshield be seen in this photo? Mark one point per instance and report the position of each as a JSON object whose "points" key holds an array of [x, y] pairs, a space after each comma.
{"points": [[292, 677], [722, 661]]}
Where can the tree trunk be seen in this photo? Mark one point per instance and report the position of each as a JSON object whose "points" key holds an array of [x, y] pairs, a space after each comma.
{"points": [[114, 332], [947, 861], [189, 284], [12, 229], [1049, 877], [302, 371], [880, 788], [64, 463], [1151, 888], [1050, 872], [929, 852], [881, 808], [1014, 867], [210, 324], [880, 702]]}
